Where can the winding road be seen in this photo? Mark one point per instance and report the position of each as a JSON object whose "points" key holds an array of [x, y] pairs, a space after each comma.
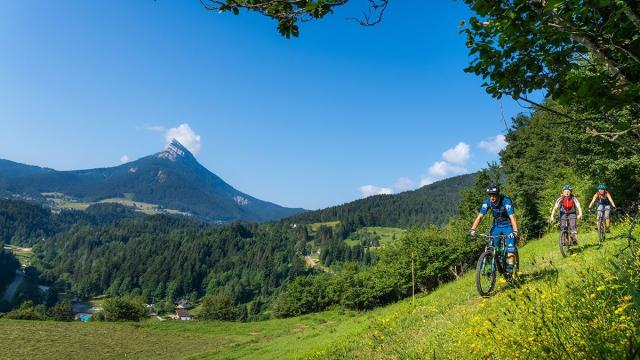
{"points": [[11, 289]]}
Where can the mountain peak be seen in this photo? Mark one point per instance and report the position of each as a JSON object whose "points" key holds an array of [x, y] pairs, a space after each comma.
{"points": [[174, 151]]}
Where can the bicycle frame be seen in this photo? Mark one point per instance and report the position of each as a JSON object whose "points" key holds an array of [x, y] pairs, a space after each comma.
{"points": [[497, 252]]}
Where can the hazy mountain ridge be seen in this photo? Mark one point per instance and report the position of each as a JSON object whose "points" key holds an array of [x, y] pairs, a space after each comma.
{"points": [[172, 178]]}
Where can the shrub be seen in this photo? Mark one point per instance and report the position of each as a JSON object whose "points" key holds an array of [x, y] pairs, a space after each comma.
{"points": [[28, 311], [121, 309], [62, 311], [219, 306]]}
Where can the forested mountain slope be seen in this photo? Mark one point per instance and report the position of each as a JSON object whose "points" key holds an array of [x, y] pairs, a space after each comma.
{"points": [[432, 204]]}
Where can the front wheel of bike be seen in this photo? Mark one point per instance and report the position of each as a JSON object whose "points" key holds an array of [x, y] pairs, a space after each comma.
{"points": [[565, 243], [602, 231], [486, 273]]}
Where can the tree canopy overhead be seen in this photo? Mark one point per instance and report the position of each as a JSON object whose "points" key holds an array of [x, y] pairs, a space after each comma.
{"points": [[583, 53], [289, 13]]}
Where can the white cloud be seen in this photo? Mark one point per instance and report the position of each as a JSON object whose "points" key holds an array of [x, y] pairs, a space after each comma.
{"points": [[494, 144], [457, 155], [452, 164], [370, 190], [124, 158], [404, 184], [186, 136], [440, 170]]}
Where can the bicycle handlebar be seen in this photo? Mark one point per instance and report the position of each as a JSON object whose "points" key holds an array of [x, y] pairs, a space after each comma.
{"points": [[492, 236]]}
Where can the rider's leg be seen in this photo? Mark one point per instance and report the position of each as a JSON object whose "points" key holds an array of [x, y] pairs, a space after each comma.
{"points": [[509, 247], [511, 253], [573, 228], [495, 232], [600, 214], [607, 213], [564, 222]]}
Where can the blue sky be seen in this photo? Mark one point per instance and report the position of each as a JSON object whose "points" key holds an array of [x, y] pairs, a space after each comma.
{"points": [[339, 113]]}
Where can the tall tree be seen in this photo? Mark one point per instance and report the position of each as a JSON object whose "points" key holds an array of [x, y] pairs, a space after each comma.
{"points": [[583, 53]]}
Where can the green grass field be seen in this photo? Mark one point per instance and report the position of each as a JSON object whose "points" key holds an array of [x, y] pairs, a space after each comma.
{"points": [[442, 321], [62, 201], [24, 255], [386, 234], [315, 226]]}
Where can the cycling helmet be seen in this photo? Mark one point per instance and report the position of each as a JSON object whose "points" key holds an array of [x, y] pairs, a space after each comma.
{"points": [[601, 187], [493, 189], [568, 187]]}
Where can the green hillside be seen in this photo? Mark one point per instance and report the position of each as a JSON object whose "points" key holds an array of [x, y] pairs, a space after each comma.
{"points": [[453, 321], [431, 204]]}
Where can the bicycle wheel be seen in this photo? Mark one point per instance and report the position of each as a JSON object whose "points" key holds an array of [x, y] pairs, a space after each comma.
{"points": [[486, 273], [565, 243], [602, 232]]}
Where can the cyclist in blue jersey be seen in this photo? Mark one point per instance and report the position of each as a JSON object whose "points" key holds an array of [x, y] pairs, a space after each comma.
{"points": [[604, 201], [504, 222]]}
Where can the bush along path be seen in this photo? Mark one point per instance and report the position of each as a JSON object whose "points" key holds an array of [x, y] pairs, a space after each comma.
{"points": [[583, 306]]}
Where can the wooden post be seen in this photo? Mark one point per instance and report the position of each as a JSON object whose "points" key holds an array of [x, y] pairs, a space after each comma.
{"points": [[413, 282]]}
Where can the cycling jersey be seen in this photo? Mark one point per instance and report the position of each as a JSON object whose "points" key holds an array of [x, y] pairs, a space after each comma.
{"points": [[604, 200], [500, 211], [574, 202]]}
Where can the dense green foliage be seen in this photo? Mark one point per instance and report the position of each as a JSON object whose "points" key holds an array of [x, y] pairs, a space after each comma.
{"points": [[23, 223], [28, 311], [62, 311], [8, 266], [219, 306], [545, 153], [437, 255], [161, 257], [431, 204], [121, 309], [583, 52]]}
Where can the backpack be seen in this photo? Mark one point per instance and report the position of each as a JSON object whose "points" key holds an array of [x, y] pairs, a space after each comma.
{"points": [[567, 203]]}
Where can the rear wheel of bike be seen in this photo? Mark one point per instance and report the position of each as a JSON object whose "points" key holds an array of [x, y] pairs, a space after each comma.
{"points": [[565, 243], [486, 273]]}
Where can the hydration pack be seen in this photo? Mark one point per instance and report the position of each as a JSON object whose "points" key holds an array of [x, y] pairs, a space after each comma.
{"points": [[567, 204]]}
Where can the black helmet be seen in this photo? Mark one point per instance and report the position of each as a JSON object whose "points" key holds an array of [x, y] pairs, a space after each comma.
{"points": [[493, 189]]}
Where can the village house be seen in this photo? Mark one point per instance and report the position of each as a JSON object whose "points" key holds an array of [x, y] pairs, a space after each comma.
{"points": [[183, 315], [184, 304]]}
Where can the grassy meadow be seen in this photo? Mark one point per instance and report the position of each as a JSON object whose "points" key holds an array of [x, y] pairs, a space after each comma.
{"points": [[452, 322]]}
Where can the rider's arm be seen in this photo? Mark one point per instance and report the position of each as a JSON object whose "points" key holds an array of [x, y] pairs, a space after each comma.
{"points": [[477, 222], [483, 211], [611, 199], [595, 196], [514, 222], [575, 199]]}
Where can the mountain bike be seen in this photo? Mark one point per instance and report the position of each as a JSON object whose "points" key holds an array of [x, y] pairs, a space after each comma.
{"points": [[601, 223], [565, 239], [493, 261]]}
